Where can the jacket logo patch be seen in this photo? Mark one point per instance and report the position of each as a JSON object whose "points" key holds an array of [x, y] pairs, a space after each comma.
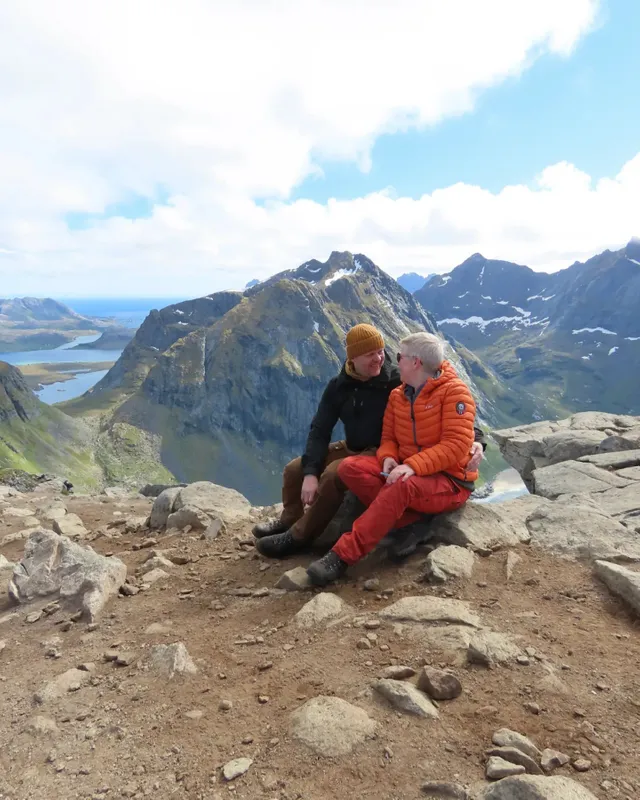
{"points": [[429, 405], [460, 408]]}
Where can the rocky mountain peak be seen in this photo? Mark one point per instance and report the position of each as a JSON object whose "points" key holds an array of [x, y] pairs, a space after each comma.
{"points": [[632, 250]]}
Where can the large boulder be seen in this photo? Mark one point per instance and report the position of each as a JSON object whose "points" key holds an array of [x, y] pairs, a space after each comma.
{"points": [[535, 787], [322, 609], [54, 565], [214, 500], [479, 527], [162, 507], [542, 444], [448, 562], [330, 726]]}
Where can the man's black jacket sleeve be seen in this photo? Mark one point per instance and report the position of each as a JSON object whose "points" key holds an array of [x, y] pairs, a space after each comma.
{"points": [[322, 426], [480, 437]]}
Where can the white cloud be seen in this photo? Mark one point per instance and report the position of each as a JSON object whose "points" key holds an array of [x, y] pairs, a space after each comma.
{"points": [[224, 102]]}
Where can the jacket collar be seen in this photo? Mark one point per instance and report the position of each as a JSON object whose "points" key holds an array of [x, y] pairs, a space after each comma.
{"points": [[446, 373]]}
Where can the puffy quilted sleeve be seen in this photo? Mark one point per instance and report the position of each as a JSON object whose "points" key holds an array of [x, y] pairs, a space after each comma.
{"points": [[388, 442], [458, 416]]}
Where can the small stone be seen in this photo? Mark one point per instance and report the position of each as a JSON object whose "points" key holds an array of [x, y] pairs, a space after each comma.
{"points": [[372, 624], [405, 697], [125, 659], [497, 768], [234, 769], [524, 661], [398, 673], [508, 738], [581, 765], [553, 759], [195, 714], [265, 666], [129, 590], [87, 666], [263, 699], [247, 740], [155, 575], [110, 655], [363, 644], [295, 580], [515, 756], [225, 705], [439, 790], [438, 684], [371, 585], [262, 592], [170, 659], [533, 708], [34, 616], [66, 626]]}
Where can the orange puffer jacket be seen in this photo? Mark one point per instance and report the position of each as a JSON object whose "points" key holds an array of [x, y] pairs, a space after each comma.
{"points": [[435, 432]]}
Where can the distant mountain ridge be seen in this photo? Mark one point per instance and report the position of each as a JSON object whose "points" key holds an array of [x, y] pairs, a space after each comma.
{"points": [[32, 323], [412, 281], [572, 336]]}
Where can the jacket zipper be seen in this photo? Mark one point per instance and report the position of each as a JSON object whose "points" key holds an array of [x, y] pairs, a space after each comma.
{"points": [[413, 422]]}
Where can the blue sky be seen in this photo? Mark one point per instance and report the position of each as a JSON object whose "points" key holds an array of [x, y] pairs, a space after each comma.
{"points": [[175, 149], [583, 109]]}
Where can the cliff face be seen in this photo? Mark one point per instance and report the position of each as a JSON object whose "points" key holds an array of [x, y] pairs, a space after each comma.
{"points": [[38, 438], [228, 384]]}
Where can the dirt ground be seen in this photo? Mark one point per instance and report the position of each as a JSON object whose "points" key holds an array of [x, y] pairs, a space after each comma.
{"points": [[132, 733]]}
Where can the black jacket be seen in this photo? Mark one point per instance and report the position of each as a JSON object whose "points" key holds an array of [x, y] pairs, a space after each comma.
{"points": [[360, 405]]}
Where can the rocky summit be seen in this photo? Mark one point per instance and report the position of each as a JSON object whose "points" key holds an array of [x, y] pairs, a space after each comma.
{"points": [[150, 651]]}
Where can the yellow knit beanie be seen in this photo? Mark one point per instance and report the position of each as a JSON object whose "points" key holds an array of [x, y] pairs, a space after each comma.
{"points": [[363, 339]]}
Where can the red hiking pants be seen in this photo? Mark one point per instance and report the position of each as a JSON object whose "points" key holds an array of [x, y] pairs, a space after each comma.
{"points": [[390, 505]]}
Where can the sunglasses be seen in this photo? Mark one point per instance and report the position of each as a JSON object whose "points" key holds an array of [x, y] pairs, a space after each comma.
{"points": [[400, 356]]}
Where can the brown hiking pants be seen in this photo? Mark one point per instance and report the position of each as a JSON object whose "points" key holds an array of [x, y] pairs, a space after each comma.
{"points": [[306, 525]]}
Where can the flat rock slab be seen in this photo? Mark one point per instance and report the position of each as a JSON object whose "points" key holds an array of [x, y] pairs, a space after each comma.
{"points": [[69, 681], [516, 756], [489, 647], [405, 697], [54, 565], [630, 473], [448, 562], [617, 460], [574, 477], [578, 527], [534, 787], [478, 527], [621, 501], [322, 609], [330, 726], [431, 611], [622, 581]]}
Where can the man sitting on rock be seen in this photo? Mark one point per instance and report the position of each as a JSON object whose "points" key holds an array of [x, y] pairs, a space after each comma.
{"points": [[422, 465], [312, 492]]}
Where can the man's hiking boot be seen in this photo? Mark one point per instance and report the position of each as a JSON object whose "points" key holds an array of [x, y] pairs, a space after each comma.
{"points": [[280, 545], [405, 541], [269, 528], [326, 569]]}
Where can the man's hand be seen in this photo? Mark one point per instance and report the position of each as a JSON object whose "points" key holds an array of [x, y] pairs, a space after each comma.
{"points": [[403, 471], [389, 464], [477, 454], [309, 490]]}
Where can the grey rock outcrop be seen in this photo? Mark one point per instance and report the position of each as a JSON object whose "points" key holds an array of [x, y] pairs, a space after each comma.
{"points": [[622, 581], [198, 504], [54, 565], [535, 787]]}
